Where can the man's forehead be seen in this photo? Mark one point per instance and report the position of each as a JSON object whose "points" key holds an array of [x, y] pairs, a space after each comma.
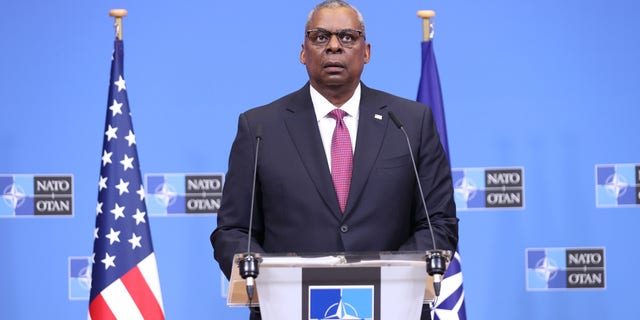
{"points": [[335, 18]]}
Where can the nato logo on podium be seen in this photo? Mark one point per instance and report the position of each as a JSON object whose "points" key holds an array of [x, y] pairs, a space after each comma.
{"points": [[341, 302]]}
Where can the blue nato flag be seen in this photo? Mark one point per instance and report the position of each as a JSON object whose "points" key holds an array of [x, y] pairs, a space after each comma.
{"points": [[450, 304]]}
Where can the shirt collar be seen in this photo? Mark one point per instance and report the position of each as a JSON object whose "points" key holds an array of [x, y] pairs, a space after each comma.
{"points": [[322, 106]]}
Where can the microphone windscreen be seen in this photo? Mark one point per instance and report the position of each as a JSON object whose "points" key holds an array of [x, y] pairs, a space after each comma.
{"points": [[395, 120], [259, 132]]}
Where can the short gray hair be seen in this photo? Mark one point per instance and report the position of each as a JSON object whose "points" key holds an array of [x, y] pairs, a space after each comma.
{"points": [[330, 4]]}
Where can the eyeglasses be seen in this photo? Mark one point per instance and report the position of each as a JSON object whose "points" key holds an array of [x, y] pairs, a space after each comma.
{"points": [[346, 37]]}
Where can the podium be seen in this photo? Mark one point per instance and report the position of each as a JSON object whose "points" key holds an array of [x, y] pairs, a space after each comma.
{"points": [[389, 285]]}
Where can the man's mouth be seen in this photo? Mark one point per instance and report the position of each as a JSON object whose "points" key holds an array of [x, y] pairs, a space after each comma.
{"points": [[333, 67]]}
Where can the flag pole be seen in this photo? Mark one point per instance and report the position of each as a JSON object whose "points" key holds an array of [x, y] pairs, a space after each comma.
{"points": [[426, 15], [118, 14]]}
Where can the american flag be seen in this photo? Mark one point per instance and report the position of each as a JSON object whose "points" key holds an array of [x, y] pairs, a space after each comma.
{"points": [[125, 282], [450, 304]]}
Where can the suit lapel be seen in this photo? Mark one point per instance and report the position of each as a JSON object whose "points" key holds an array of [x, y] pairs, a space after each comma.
{"points": [[372, 125], [302, 125]]}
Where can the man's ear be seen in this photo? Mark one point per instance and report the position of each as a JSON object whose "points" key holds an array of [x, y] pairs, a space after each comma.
{"points": [[367, 53], [303, 58]]}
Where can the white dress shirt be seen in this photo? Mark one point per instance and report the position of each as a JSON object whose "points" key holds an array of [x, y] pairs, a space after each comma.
{"points": [[322, 107]]}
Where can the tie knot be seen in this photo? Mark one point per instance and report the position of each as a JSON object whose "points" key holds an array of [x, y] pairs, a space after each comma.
{"points": [[337, 114]]}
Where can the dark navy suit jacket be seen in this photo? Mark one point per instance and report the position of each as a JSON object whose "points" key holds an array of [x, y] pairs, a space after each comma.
{"points": [[296, 208]]}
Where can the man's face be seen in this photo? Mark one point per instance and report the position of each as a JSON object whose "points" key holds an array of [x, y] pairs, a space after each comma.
{"points": [[334, 64]]}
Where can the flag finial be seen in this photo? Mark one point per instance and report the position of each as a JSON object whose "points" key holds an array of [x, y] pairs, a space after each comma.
{"points": [[426, 15], [118, 14]]}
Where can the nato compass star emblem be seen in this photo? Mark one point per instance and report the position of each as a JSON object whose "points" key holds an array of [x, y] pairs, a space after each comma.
{"points": [[341, 302], [341, 310], [13, 195], [616, 185], [84, 277], [165, 194], [80, 277], [546, 269], [465, 188]]}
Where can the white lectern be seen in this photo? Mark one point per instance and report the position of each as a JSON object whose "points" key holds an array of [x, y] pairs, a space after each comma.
{"points": [[377, 286]]}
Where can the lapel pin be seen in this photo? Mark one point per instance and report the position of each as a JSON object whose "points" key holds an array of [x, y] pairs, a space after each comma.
{"points": [[377, 116]]}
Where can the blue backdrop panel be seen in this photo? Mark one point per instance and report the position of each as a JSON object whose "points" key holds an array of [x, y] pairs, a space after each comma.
{"points": [[549, 87]]}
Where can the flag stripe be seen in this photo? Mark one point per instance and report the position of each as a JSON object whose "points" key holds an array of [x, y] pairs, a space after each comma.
{"points": [[148, 268], [120, 301], [142, 294], [98, 309]]}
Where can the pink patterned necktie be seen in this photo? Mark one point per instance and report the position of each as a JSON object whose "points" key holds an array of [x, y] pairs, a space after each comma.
{"points": [[341, 158]]}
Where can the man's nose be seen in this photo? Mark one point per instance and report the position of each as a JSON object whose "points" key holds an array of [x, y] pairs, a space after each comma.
{"points": [[334, 44]]}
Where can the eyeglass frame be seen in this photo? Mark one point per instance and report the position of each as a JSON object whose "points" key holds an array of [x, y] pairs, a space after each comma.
{"points": [[337, 34]]}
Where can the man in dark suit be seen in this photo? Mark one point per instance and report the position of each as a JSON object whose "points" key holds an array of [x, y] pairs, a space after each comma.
{"points": [[298, 206]]}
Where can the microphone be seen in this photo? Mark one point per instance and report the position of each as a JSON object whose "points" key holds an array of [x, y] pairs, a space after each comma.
{"points": [[435, 259], [248, 266]]}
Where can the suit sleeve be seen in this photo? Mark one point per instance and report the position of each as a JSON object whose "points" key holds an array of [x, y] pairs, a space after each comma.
{"points": [[435, 176], [231, 234]]}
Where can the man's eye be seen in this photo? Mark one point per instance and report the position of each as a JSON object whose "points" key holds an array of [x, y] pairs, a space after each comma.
{"points": [[346, 37], [322, 37]]}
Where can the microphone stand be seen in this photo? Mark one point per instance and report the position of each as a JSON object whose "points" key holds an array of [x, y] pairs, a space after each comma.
{"points": [[248, 265], [435, 260]]}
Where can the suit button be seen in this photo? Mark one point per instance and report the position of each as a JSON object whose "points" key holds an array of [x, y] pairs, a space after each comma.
{"points": [[344, 228]]}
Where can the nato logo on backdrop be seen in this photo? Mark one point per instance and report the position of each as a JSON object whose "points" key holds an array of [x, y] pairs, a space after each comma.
{"points": [[488, 188], [169, 194], [341, 302], [617, 185], [565, 268], [79, 278], [29, 195]]}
